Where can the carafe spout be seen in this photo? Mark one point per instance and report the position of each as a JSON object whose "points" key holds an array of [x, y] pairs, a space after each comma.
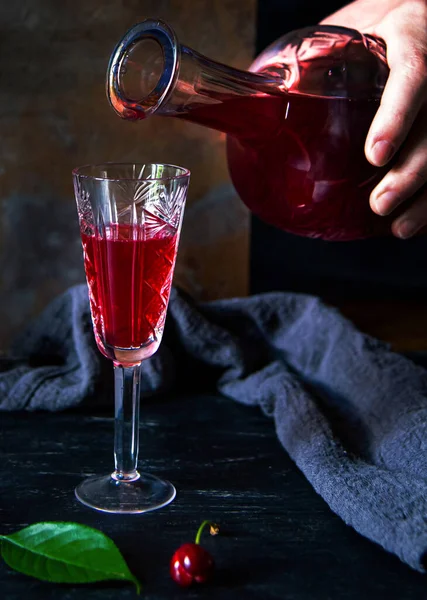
{"points": [[150, 73]]}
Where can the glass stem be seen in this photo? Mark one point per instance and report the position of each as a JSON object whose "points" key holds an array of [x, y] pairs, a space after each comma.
{"points": [[126, 421]]}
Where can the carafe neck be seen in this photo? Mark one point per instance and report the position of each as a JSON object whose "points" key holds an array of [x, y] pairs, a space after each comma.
{"points": [[150, 73]]}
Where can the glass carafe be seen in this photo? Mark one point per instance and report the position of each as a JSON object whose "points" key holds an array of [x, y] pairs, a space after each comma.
{"points": [[296, 121]]}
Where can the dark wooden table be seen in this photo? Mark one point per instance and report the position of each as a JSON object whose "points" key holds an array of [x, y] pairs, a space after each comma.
{"points": [[279, 539]]}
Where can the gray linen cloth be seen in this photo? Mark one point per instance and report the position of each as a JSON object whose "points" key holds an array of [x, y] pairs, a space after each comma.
{"points": [[350, 413]]}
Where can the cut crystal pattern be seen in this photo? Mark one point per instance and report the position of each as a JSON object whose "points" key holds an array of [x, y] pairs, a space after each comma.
{"points": [[129, 284], [84, 208]]}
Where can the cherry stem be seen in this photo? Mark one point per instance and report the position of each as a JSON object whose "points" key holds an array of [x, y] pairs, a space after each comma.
{"points": [[201, 528]]}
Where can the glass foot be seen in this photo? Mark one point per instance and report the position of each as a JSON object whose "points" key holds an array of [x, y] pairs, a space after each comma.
{"points": [[140, 495]]}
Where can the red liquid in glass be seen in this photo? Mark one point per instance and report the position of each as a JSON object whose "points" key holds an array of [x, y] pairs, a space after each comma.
{"points": [[129, 279], [298, 161]]}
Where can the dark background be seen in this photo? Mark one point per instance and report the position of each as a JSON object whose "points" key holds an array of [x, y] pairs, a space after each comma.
{"points": [[54, 116]]}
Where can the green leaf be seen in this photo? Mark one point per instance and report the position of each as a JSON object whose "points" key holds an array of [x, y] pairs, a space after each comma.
{"points": [[65, 553]]}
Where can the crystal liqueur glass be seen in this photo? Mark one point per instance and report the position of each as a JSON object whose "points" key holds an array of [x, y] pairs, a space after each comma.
{"points": [[130, 220]]}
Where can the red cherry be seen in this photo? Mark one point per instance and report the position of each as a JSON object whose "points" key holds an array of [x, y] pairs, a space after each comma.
{"points": [[191, 563]]}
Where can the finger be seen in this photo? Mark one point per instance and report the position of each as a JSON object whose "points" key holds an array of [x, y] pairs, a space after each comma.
{"points": [[400, 102], [413, 219], [408, 175]]}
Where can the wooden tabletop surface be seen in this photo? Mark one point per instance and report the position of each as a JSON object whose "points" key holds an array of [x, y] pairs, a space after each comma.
{"points": [[279, 540]]}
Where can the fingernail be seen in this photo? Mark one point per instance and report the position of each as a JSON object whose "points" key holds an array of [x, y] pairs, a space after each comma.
{"points": [[385, 203], [381, 152], [406, 229]]}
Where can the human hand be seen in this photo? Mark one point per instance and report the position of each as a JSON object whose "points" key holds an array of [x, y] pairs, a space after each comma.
{"points": [[401, 120]]}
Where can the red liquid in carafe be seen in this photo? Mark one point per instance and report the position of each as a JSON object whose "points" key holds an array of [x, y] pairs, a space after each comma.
{"points": [[298, 161]]}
